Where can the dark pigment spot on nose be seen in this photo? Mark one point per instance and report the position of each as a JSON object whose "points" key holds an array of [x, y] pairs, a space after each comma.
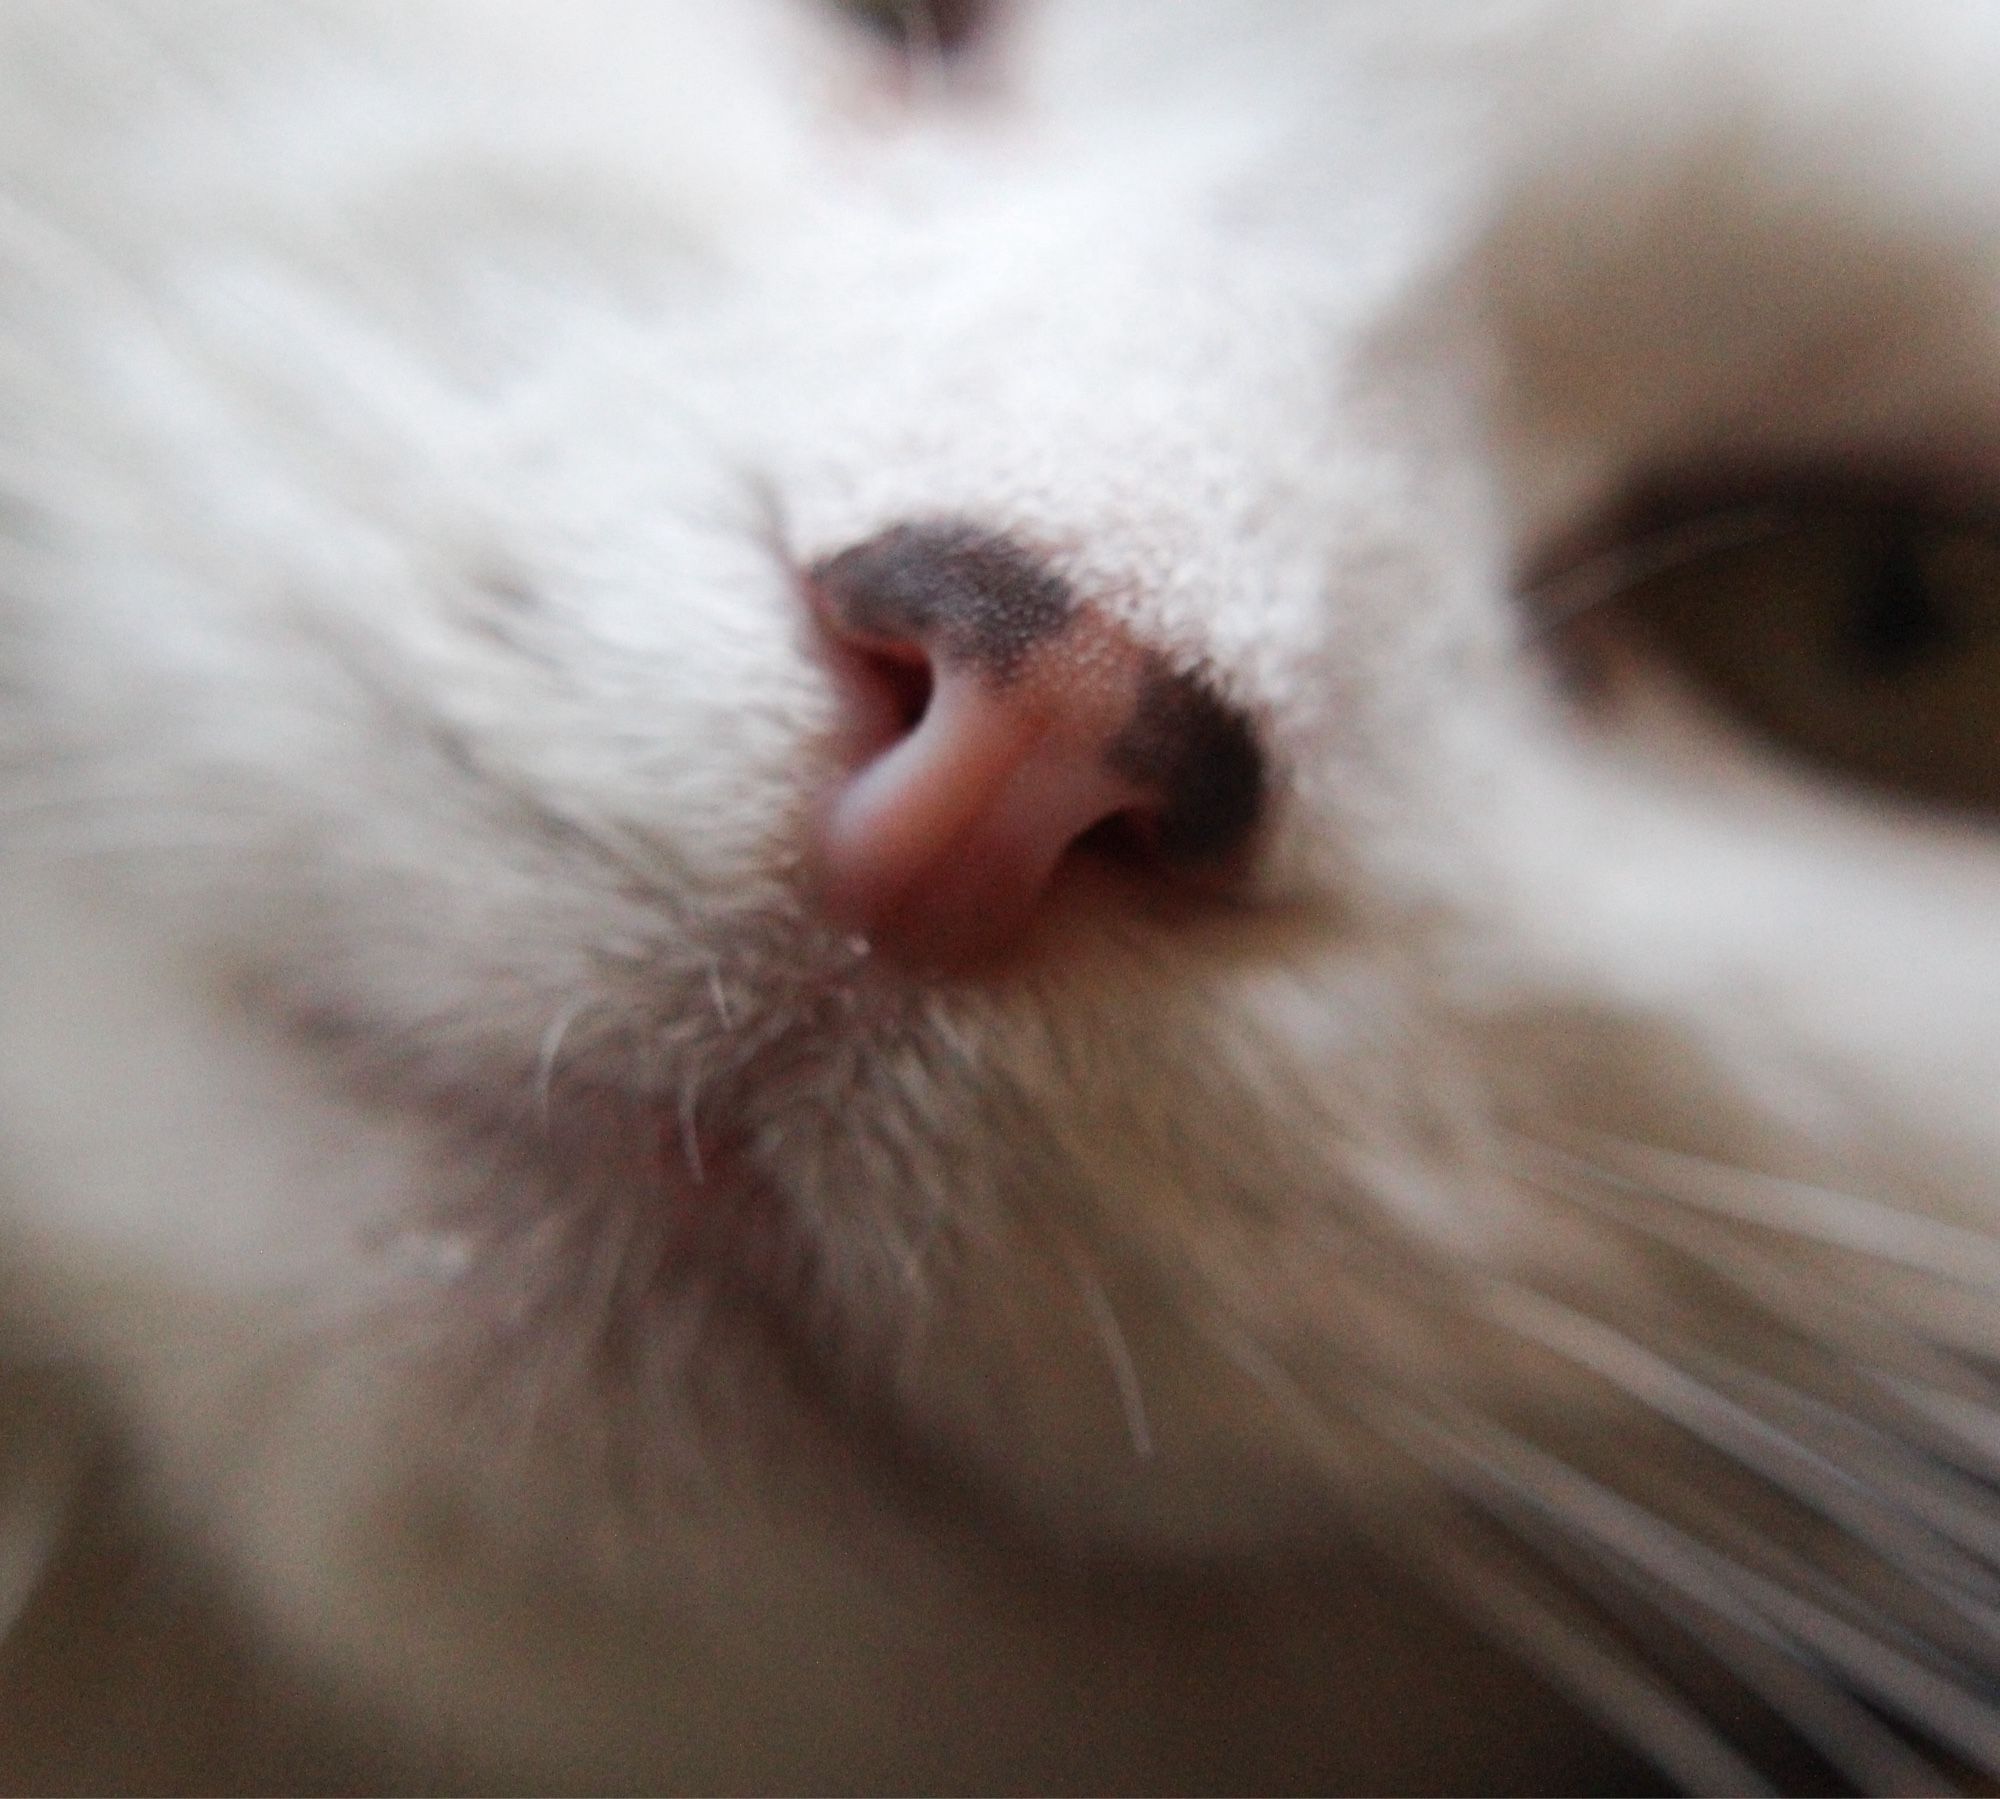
{"points": [[980, 599], [1201, 756]]}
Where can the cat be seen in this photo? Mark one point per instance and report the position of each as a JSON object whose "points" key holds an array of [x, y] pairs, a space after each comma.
{"points": [[1098, 895]]}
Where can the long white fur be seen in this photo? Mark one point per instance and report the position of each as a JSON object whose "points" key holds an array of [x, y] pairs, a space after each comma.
{"points": [[607, 1328]]}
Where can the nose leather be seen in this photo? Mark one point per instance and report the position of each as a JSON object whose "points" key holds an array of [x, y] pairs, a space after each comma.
{"points": [[1020, 721]]}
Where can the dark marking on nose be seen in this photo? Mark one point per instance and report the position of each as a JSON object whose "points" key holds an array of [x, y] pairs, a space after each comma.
{"points": [[979, 600], [1200, 755]]}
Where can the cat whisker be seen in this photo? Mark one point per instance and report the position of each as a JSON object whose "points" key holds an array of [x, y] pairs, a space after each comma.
{"points": [[1922, 1398], [1890, 1452], [1904, 1622], [1863, 1510], [1780, 1647], [1967, 1424], [1747, 1255], [1580, 1658], [1524, 1610], [1869, 1227], [690, 1129], [1906, 1612], [550, 1052], [1118, 1356], [1902, 1405]]}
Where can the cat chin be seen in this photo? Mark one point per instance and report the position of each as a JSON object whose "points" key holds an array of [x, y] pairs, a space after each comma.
{"points": [[1088, 1354]]}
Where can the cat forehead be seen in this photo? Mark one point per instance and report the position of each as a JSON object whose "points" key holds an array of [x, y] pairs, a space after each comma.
{"points": [[1191, 273], [633, 135]]}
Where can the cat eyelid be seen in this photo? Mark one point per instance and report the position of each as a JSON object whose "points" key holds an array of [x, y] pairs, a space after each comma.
{"points": [[1668, 521], [1583, 580], [1851, 627]]}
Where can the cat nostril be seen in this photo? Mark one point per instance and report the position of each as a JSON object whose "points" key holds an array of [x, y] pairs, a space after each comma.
{"points": [[1004, 729], [892, 688]]}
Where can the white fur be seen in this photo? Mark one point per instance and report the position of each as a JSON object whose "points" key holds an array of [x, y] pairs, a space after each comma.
{"points": [[616, 1332]]}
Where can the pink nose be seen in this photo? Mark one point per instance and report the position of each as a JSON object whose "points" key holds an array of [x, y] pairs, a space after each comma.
{"points": [[1001, 724]]}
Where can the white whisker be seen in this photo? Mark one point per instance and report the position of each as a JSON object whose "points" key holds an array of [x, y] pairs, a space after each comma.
{"points": [[1832, 1490], [1118, 1355], [1845, 1221], [1863, 1344], [550, 1053], [1970, 1424], [1744, 1255], [1585, 1663], [1839, 1729], [1919, 1546], [718, 997], [1501, 1468], [1882, 1453], [690, 1134]]}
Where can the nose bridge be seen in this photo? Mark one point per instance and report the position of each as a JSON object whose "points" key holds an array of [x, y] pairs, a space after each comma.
{"points": [[1144, 415], [1115, 360], [1158, 472]]}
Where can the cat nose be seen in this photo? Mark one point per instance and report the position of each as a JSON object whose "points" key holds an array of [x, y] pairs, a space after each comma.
{"points": [[1002, 725]]}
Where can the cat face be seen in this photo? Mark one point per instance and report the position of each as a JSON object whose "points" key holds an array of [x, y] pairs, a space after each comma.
{"points": [[427, 490]]}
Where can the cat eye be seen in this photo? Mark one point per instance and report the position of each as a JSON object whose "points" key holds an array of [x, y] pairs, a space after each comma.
{"points": [[934, 27], [1860, 634]]}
